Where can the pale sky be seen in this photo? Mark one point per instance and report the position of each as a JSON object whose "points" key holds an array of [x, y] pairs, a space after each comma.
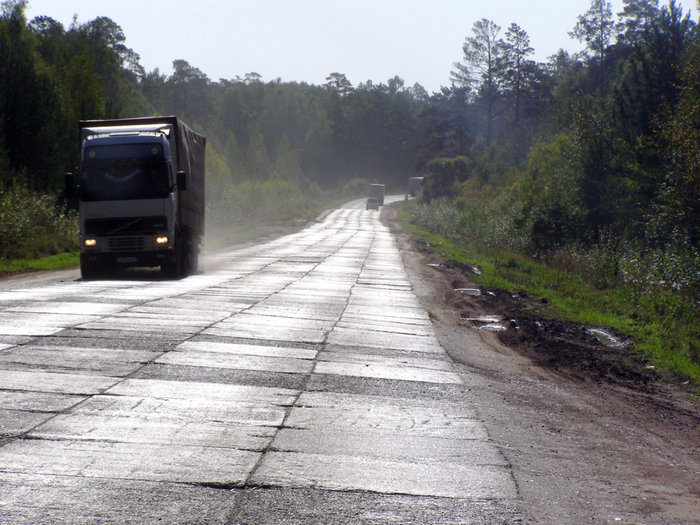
{"points": [[306, 40]]}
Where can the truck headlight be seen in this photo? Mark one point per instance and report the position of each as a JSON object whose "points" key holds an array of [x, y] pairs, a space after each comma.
{"points": [[162, 240], [90, 243]]}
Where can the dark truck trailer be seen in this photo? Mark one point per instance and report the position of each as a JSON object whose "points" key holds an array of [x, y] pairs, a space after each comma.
{"points": [[414, 185], [141, 195], [376, 191]]}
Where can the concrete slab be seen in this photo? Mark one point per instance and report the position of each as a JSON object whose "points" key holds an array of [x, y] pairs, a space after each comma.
{"points": [[243, 331], [350, 473], [76, 308], [406, 373], [14, 423], [54, 382], [161, 389], [128, 461], [252, 318], [27, 499], [240, 362], [195, 409], [395, 447], [106, 361], [386, 358], [247, 349], [38, 401], [302, 506], [381, 325], [361, 337], [155, 429], [386, 421]]}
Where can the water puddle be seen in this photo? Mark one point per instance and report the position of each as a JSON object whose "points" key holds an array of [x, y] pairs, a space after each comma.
{"points": [[493, 327], [483, 319], [606, 338], [490, 323], [475, 270], [435, 265], [474, 292]]}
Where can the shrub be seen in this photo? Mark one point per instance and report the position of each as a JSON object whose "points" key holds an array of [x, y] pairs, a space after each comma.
{"points": [[34, 225]]}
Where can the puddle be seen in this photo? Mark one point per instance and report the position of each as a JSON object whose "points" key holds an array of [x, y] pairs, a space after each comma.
{"points": [[606, 338], [434, 265], [484, 319], [493, 327], [474, 292], [491, 323], [475, 270]]}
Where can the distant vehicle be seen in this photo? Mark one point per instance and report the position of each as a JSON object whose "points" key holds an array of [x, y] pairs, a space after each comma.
{"points": [[414, 184], [372, 204], [141, 195], [377, 191]]}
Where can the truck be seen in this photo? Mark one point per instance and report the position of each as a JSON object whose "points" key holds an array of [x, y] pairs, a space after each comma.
{"points": [[376, 191], [414, 185], [140, 194]]}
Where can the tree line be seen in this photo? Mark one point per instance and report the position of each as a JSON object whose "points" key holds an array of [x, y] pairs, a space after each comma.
{"points": [[584, 146], [600, 143]]}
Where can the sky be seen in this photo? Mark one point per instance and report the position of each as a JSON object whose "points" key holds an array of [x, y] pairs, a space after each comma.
{"points": [[306, 40]]}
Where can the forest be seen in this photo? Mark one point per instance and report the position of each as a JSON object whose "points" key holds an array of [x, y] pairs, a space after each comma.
{"points": [[587, 153]]}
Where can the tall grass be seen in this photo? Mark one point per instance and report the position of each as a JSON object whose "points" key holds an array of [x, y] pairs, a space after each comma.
{"points": [[34, 225]]}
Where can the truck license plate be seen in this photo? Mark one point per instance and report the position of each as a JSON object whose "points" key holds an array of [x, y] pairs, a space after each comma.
{"points": [[126, 259]]}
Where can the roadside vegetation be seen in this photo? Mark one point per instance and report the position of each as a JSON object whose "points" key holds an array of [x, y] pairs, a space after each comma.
{"points": [[649, 296], [35, 226]]}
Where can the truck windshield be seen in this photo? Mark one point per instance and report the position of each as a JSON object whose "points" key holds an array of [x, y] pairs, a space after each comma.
{"points": [[124, 172]]}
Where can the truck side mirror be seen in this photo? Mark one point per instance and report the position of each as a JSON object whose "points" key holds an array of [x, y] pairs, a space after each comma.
{"points": [[72, 187], [181, 181], [72, 190]]}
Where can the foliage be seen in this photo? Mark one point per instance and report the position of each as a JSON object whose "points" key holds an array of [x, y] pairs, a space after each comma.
{"points": [[595, 27], [443, 174], [34, 225], [641, 303]]}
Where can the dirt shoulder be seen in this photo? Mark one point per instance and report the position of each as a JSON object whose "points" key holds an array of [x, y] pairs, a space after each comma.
{"points": [[591, 433]]}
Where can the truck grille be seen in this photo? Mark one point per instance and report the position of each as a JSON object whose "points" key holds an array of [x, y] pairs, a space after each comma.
{"points": [[125, 244], [122, 225]]}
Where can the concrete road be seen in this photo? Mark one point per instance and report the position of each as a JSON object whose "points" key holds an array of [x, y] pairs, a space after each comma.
{"points": [[297, 382]]}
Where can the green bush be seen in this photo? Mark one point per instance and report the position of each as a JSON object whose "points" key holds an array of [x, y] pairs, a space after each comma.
{"points": [[34, 225]]}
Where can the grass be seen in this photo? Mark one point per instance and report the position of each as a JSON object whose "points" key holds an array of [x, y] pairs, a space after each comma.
{"points": [[61, 261], [665, 326]]}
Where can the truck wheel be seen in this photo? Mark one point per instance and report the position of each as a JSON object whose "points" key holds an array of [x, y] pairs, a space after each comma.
{"points": [[171, 269], [192, 256], [88, 270]]}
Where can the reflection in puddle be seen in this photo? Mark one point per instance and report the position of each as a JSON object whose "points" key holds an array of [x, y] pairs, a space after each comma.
{"points": [[606, 338], [474, 292], [484, 319], [491, 323], [493, 327]]}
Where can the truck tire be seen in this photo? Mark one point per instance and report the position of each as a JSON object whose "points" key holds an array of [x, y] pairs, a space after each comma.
{"points": [[171, 269], [192, 254], [88, 270]]}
